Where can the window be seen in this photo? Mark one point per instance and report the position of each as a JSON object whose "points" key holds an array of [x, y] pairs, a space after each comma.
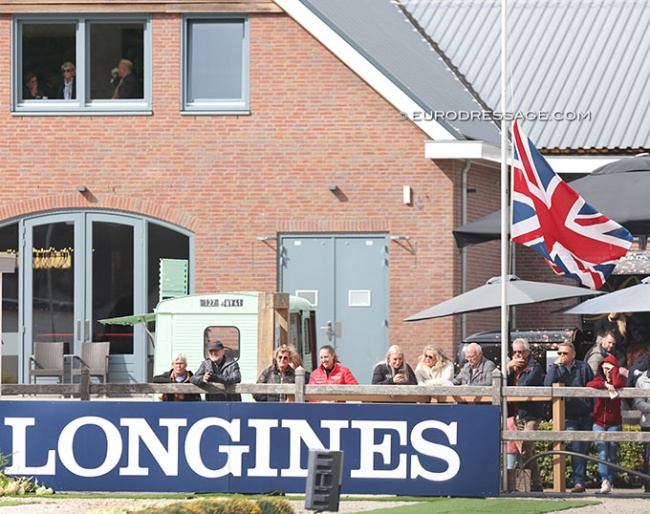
{"points": [[94, 63], [216, 65], [230, 337]]}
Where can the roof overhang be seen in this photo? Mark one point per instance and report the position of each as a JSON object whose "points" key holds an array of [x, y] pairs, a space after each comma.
{"points": [[481, 151], [472, 150], [405, 106]]}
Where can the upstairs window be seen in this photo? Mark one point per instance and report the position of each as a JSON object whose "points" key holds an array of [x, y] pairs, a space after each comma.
{"points": [[63, 64], [216, 65]]}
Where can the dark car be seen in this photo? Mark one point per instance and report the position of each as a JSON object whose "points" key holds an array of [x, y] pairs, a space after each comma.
{"points": [[541, 342]]}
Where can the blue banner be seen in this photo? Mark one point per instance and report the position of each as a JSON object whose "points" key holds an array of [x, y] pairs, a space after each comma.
{"points": [[420, 449]]}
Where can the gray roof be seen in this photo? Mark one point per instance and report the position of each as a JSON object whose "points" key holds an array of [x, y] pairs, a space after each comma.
{"points": [[382, 34], [585, 58], [569, 56]]}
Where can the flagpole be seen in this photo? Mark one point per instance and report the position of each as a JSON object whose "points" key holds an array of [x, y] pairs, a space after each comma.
{"points": [[505, 220]]}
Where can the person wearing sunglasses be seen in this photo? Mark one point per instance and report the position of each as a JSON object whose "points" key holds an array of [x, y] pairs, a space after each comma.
{"points": [[68, 87], [524, 370], [434, 367], [571, 372], [280, 372]]}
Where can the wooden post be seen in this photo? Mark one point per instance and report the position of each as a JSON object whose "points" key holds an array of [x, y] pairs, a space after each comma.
{"points": [[559, 461], [300, 385], [272, 328], [84, 384]]}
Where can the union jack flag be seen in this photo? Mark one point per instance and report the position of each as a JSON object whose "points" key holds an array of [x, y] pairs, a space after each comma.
{"points": [[551, 218]]}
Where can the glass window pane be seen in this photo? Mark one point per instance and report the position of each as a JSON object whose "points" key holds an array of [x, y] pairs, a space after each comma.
{"points": [[45, 48], [163, 243], [10, 336], [110, 45], [215, 60], [113, 284], [53, 283]]}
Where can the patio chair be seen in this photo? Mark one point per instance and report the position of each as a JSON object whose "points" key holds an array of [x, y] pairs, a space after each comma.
{"points": [[47, 361], [94, 356]]}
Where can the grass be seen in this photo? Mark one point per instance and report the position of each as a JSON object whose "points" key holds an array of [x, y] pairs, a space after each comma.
{"points": [[420, 505], [481, 506]]}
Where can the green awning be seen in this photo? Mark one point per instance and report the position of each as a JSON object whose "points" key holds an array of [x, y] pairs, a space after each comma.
{"points": [[129, 320]]}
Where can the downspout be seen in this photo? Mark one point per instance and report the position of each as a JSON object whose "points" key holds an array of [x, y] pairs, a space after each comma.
{"points": [[463, 251]]}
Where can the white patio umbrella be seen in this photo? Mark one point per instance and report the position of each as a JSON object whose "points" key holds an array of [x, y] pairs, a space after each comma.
{"points": [[520, 292], [630, 299]]}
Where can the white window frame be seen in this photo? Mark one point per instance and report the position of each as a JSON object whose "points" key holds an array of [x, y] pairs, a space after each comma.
{"points": [[82, 104], [239, 106]]}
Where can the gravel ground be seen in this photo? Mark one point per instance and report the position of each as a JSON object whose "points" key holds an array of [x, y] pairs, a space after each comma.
{"points": [[624, 503]]}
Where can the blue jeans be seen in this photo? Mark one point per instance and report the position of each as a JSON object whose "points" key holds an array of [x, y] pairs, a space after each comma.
{"points": [[607, 451], [646, 457], [579, 464]]}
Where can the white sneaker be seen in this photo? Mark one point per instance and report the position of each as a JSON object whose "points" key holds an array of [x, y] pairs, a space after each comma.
{"points": [[606, 487]]}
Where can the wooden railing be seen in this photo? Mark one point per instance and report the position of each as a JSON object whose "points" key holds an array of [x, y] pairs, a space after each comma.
{"points": [[300, 392]]}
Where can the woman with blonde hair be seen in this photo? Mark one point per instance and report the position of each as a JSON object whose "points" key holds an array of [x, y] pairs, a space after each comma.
{"points": [[394, 370], [434, 367], [280, 372]]}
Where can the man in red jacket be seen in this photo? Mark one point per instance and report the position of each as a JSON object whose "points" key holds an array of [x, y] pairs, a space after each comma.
{"points": [[607, 417]]}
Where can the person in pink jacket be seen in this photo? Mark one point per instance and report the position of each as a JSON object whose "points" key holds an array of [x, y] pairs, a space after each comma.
{"points": [[330, 371], [607, 417]]}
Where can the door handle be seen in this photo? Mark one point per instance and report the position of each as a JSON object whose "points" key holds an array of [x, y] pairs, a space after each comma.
{"points": [[77, 335], [87, 331], [328, 330]]}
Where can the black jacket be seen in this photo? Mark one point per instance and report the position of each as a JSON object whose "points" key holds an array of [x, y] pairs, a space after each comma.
{"points": [[384, 373], [272, 375], [530, 376], [227, 373]]}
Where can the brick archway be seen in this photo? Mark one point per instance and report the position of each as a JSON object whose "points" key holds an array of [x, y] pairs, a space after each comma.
{"points": [[88, 200]]}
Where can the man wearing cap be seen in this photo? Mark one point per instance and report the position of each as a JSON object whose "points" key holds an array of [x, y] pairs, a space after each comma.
{"points": [[220, 368]]}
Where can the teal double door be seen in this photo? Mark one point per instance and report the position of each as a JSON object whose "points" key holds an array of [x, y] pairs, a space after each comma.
{"points": [[85, 266], [346, 277]]}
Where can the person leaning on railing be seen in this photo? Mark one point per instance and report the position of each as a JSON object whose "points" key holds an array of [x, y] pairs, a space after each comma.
{"points": [[524, 370], [330, 371], [219, 368], [608, 418], [394, 370], [477, 371], [280, 372], [571, 372], [179, 374], [434, 367]]}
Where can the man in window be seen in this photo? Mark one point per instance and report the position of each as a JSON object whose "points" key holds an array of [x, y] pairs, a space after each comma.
{"points": [[68, 87], [31, 91], [129, 86]]}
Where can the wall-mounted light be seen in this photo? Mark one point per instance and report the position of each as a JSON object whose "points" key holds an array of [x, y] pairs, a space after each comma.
{"points": [[332, 187], [407, 195], [82, 189], [266, 238], [400, 238]]}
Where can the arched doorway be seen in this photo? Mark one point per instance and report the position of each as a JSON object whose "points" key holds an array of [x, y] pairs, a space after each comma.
{"points": [[86, 266]]}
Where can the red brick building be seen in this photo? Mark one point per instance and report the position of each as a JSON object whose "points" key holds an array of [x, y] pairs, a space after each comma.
{"points": [[304, 147]]}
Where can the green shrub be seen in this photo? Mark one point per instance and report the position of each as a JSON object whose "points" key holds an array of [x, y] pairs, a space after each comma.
{"points": [[207, 506], [630, 455], [18, 486], [275, 506]]}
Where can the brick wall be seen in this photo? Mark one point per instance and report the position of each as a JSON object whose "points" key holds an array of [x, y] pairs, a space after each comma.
{"points": [[230, 179]]}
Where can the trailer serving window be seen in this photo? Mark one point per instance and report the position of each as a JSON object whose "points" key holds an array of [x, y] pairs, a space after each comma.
{"points": [[229, 337]]}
